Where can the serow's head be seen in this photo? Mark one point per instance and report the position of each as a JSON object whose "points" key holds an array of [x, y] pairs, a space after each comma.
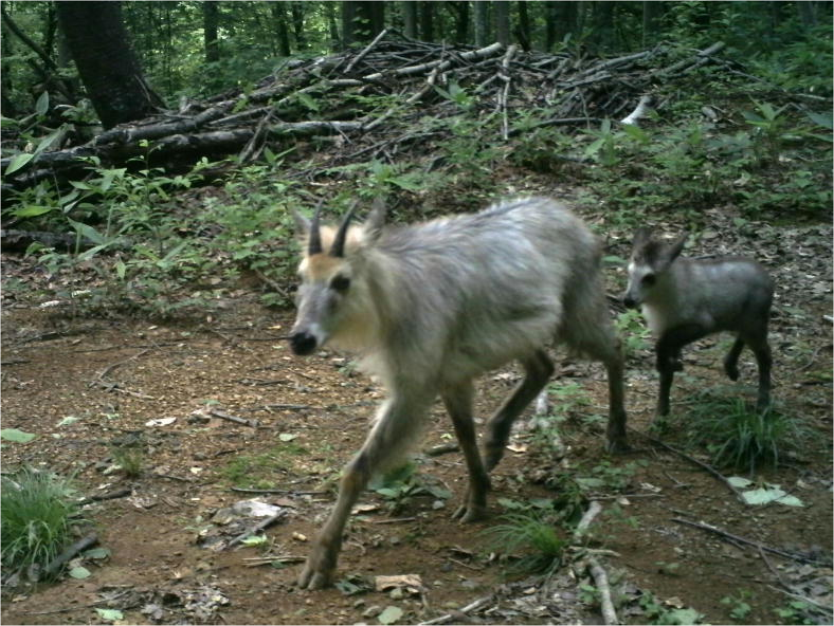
{"points": [[650, 260], [333, 290]]}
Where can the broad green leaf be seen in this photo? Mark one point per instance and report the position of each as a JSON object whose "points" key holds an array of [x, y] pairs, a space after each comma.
{"points": [[69, 419], [307, 101], [19, 161], [739, 482], [762, 496], [390, 615], [121, 269], [47, 141], [790, 501], [18, 436], [79, 572], [110, 615], [42, 105], [287, 436], [682, 616], [32, 210], [85, 230], [826, 120], [97, 553], [254, 541]]}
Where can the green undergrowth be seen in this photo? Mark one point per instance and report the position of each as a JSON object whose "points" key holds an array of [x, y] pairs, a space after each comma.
{"points": [[39, 513]]}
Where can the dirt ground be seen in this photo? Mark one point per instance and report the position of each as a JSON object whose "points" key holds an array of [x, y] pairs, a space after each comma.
{"points": [[115, 376]]}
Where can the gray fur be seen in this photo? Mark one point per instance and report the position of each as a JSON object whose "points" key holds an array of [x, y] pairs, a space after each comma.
{"points": [[434, 305], [686, 299]]}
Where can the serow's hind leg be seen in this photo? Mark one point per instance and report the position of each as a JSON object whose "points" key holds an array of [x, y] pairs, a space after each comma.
{"points": [[538, 369]]}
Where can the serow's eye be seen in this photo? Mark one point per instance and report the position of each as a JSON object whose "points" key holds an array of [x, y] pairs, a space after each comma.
{"points": [[340, 283], [649, 280]]}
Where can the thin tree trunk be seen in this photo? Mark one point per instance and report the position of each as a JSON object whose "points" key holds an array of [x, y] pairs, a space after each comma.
{"points": [[427, 20], [410, 18], [106, 63], [482, 24], [502, 21], [211, 18], [523, 30], [652, 12], [279, 18], [297, 12]]}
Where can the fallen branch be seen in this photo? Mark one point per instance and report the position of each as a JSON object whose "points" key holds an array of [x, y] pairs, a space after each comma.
{"points": [[726, 535], [262, 525], [448, 617], [234, 418], [79, 546], [601, 579]]}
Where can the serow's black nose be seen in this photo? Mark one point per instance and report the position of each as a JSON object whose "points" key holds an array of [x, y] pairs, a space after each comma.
{"points": [[302, 343], [630, 303]]}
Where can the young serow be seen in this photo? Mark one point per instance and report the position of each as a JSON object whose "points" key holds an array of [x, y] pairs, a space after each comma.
{"points": [[434, 305], [686, 299]]}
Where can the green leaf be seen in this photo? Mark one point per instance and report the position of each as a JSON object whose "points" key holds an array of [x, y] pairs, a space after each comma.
{"points": [[85, 230], [762, 496], [69, 419], [121, 269], [97, 553], [47, 141], [42, 105], [682, 616], [826, 120], [18, 436], [19, 161], [254, 541], [110, 615], [790, 501], [32, 210], [738, 482], [79, 572], [390, 615], [287, 436], [307, 101]]}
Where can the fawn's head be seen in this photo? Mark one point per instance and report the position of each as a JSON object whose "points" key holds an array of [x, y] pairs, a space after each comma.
{"points": [[650, 260]]}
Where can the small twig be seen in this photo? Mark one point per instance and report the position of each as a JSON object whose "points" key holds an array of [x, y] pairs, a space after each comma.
{"points": [[821, 607], [233, 418], [473, 606], [772, 569], [257, 561], [280, 492], [601, 580], [594, 509], [466, 565], [441, 449], [263, 524], [700, 464], [726, 535], [393, 520], [79, 546], [366, 50], [119, 493]]}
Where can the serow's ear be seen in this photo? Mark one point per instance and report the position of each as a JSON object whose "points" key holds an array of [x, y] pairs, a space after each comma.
{"points": [[376, 220], [642, 236], [677, 247], [302, 224]]}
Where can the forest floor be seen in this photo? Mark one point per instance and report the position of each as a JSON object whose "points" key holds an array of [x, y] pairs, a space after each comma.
{"points": [[114, 376]]}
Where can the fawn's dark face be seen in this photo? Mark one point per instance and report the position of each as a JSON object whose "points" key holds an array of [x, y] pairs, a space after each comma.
{"points": [[649, 261]]}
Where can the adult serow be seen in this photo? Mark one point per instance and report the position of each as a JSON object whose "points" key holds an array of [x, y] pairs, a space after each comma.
{"points": [[433, 305], [686, 299]]}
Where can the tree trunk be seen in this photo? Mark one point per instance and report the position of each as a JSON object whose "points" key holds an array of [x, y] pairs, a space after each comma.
{"points": [[410, 18], [807, 14], [211, 19], [482, 30], [652, 12], [604, 25], [297, 12], [279, 18], [332, 23], [427, 20], [361, 20], [502, 21], [523, 30], [460, 11], [106, 63]]}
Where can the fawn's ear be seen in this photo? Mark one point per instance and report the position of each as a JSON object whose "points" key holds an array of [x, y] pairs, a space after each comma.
{"points": [[676, 248], [642, 236]]}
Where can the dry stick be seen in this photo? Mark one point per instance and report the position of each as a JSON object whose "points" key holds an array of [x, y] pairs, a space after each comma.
{"points": [[473, 606], [367, 49], [723, 533], [119, 493], [233, 418], [594, 508], [601, 580], [266, 523], [66, 555], [281, 492], [700, 464]]}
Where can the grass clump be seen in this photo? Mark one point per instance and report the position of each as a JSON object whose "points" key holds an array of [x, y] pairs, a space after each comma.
{"points": [[533, 539], [38, 516], [737, 435]]}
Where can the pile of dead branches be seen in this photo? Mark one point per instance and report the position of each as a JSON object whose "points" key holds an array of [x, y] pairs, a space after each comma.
{"points": [[333, 96]]}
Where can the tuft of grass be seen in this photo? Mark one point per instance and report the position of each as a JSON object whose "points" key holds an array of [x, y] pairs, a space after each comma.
{"points": [[130, 458], [38, 516], [538, 542], [739, 436]]}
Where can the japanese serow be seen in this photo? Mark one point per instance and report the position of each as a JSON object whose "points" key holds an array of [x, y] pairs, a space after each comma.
{"points": [[434, 305], [686, 299]]}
